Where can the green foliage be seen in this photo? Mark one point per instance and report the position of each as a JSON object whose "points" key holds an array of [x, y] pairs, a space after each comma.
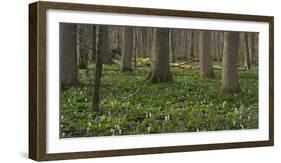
{"points": [[188, 104]]}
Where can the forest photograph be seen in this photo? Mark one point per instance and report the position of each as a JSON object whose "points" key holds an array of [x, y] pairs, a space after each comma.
{"points": [[133, 80]]}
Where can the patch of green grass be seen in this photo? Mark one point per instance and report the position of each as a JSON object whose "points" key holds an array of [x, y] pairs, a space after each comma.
{"points": [[188, 104]]}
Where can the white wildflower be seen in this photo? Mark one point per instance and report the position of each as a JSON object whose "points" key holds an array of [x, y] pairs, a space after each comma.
{"points": [[223, 104], [148, 129]]}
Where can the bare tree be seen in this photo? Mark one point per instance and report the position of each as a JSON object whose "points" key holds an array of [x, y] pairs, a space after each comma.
{"points": [[83, 46], [248, 51], [92, 56], [127, 50], [171, 46], [160, 69], [230, 77], [106, 55], [68, 53], [205, 57], [195, 39], [102, 48]]}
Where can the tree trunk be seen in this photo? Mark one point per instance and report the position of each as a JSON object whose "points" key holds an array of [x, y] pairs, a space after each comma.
{"points": [[102, 48], [247, 62], [82, 46], [160, 69], [230, 77], [188, 44], [205, 57], [255, 54], [127, 52], [148, 41], [106, 55], [195, 43], [92, 57], [68, 54], [220, 45], [171, 44]]}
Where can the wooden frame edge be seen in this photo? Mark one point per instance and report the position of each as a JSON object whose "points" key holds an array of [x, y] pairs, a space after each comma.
{"points": [[33, 45], [37, 80]]}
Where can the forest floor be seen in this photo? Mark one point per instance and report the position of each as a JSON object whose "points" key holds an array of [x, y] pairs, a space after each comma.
{"points": [[130, 104]]}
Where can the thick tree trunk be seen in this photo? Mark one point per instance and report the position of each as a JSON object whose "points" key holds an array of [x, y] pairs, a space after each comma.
{"points": [[127, 51], [68, 56], [102, 48], [205, 58], [230, 77], [160, 69]]}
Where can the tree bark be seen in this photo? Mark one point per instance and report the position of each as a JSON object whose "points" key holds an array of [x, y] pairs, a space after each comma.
{"points": [[188, 45], [68, 54], [106, 55], [194, 43], [255, 54], [92, 57], [220, 45], [247, 52], [102, 48], [230, 76], [205, 57], [127, 50], [171, 44], [160, 69], [83, 47]]}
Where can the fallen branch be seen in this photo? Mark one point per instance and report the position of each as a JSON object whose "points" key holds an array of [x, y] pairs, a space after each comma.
{"points": [[188, 62], [183, 65], [132, 95], [215, 67]]}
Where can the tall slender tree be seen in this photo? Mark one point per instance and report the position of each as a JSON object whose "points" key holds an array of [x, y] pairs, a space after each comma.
{"points": [[106, 55], [230, 77], [83, 46], [171, 46], [92, 57], [248, 52], [188, 44], [127, 50], [160, 69], [68, 54], [205, 57], [195, 39], [102, 49]]}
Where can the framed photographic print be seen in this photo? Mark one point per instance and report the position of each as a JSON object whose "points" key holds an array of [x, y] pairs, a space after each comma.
{"points": [[112, 81]]}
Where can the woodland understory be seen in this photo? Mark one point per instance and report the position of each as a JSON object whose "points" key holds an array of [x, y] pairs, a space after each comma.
{"points": [[132, 80]]}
